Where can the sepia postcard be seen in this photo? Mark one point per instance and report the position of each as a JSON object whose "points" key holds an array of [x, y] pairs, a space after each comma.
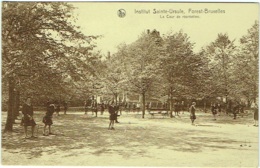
{"points": [[140, 84]]}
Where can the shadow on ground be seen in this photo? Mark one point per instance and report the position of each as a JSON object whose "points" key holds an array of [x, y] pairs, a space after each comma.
{"points": [[132, 137]]}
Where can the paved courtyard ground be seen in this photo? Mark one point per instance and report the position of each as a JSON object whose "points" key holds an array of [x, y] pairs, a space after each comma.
{"points": [[84, 140]]}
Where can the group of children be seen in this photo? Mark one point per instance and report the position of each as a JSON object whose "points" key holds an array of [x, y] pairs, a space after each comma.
{"points": [[217, 109], [28, 120], [113, 110]]}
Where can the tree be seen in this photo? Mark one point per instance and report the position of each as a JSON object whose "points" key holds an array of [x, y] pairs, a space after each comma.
{"points": [[245, 69], [221, 53], [140, 63], [181, 68], [113, 77], [41, 45]]}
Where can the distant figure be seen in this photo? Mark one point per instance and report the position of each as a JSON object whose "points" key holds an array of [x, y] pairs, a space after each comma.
{"points": [[188, 107], [150, 105], [138, 107], [126, 106], [219, 108], [192, 113], [94, 107], [229, 108], [102, 108], [214, 110], [57, 108], [86, 106], [242, 106], [112, 117], [47, 119], [65, 105], [27, 119], [256, 114], [176, 108], [236, 110], [182, 107], [116, 108], [134, 107]]}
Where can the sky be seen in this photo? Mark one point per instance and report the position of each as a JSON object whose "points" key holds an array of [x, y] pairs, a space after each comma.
{"points": [[100, 18]]}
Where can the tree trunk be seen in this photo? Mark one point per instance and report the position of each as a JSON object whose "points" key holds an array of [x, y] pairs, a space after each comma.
{"points": [[116, 97], [171, 108], [17, 104], [143, 107], [9, 120], [14, 106]]}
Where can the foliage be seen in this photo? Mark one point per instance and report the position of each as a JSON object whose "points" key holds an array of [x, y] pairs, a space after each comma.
{"points": [[42, 47], [245, 69], [221, 54]]}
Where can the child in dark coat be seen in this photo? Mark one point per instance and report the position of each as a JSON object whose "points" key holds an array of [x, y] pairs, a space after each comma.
{"points": [[112, 117], [27, 119], [47, 119], [214, 110], [192, 113]]}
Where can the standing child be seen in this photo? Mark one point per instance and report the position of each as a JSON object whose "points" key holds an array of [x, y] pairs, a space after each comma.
{"points": [[102, 108], [176, 108], [192, 113], [182, 107], [112, 117], [65, 105], [57, 109], [236, 110], [214, 110], [27, 119], [47, 119], [219, 108]]}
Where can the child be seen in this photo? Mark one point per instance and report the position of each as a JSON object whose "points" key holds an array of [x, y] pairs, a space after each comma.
{"points": [[219, 108], [176, 109], [27, 119], [192, 113], [102, 108], [47, 119], [65, 105], [214, 110], [236, 110], [112, 117]]}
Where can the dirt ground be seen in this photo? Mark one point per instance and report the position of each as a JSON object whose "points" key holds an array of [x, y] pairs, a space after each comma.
{"points": [[84, 140]]}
